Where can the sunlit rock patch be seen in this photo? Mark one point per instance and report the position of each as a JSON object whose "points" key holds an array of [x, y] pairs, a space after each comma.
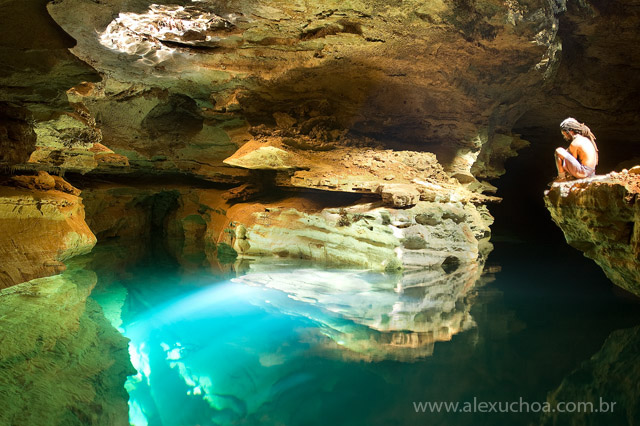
{"points": [[154, 35]]}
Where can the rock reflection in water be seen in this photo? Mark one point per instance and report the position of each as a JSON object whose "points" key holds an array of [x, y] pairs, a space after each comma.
{"points": [[61, 362], [606, 385], [229, 351], [374, 316]]}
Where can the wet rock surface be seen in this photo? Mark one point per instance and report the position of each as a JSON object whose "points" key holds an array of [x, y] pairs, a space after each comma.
{"points": [[600, 216]]}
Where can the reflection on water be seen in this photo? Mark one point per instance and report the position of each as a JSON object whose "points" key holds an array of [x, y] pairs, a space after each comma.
{"points": [[608, 381], [376, 316], [61, 362], [232, 349], [293, 344]]}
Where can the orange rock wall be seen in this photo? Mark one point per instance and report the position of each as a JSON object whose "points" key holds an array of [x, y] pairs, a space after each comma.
{"points": [[38, 231]]}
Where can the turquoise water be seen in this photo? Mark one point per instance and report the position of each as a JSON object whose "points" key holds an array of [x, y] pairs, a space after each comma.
{"points": [[283, 343]]}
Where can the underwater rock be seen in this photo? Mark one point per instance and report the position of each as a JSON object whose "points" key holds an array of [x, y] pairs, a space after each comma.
{"points": [[600, 216], [62, 361], [38, 231]]}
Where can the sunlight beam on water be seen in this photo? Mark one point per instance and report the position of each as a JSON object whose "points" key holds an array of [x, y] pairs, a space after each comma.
{"points": [[238, 345]]}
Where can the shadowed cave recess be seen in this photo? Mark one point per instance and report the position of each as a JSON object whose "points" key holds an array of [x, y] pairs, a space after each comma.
{"points": [[149, 148]]}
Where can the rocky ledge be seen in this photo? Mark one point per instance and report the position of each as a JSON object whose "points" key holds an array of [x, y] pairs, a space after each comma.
{"points": [[41, 226], [600, 216]]}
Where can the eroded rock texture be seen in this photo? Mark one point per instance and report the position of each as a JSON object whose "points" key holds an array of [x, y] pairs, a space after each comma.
{"points": [[601, 217], [411, 104], [41, 227], [194, 77], [201, 225], [37, 71]]}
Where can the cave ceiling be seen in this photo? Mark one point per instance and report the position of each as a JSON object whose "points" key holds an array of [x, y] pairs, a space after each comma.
{"points": [[178, 86]]}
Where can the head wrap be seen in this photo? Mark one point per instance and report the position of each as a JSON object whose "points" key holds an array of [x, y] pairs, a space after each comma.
{"points": [[571, 124]]}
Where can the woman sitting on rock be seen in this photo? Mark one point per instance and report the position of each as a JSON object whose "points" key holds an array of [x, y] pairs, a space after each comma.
{"points": [[582, 157]]}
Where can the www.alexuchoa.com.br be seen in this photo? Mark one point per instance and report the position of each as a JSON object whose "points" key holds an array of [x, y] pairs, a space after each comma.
{"points": [[520, 406]]}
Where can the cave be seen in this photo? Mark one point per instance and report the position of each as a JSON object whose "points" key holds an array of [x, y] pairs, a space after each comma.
{"points": [[310, 213]]}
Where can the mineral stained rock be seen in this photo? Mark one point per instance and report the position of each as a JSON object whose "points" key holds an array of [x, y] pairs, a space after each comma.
{"points": [[71, 143], [601, 217], [400, 178], [62, 362], [40, 229], [347, 229]]}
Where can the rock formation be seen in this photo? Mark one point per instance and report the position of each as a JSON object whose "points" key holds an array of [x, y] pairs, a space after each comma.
{"points": [[195, 78], [601, 217], [356, 132], [398, 103], [41, 227], [348, 229]]}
